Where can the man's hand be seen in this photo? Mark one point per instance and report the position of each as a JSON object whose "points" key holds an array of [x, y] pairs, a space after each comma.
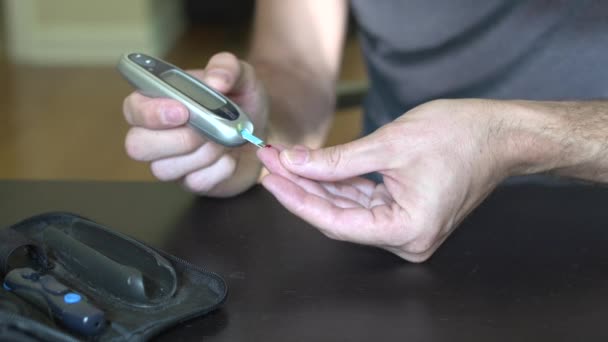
{"points": [[296, 51], [439, 161], [160, 135]]}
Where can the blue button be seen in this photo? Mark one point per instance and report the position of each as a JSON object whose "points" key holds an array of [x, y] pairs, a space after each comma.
{"points": [[72, 298], [6, 287]]}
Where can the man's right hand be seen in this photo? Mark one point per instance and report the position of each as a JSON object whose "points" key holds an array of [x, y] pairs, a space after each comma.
{"points": [[160, 135]]}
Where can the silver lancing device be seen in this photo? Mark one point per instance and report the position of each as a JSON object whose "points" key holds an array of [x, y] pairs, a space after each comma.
{"points": [[211, 113]]}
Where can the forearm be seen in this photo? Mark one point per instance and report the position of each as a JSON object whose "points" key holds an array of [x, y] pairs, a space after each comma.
{"points": [[568, 139], [296, 51], [301, 105]]}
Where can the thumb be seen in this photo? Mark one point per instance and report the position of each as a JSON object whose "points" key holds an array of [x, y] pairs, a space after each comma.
{"points": [[336, 162], [227, 74]]}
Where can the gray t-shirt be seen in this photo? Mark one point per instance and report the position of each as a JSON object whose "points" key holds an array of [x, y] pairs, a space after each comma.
{"points": [[419, 50]]}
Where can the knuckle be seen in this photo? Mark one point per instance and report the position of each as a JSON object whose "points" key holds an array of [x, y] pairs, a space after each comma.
{"points": [[417, 253], [418, 258], [332, 235], [133, 145], [126, 108], [205, 180], [138, 113], [162, 172], [388, 132], [334, 157], [227, 168], [422, 245], [130, 109], [230, 166], [187, 140], [419, 247], [195, 183], [247, 68], [389, 137]]}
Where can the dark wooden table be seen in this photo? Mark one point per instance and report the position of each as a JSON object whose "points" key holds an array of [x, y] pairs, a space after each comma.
{"points": [[531, 264]]}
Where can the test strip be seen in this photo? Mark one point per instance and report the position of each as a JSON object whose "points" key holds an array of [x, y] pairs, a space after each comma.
{"points": [[252, 138]]}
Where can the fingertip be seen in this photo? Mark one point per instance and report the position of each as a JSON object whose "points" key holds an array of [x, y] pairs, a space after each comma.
{"points": [[270, 158], [219, 79], [222, 71], [204, 180], [266, 151], [224, 57], [278, 147]]}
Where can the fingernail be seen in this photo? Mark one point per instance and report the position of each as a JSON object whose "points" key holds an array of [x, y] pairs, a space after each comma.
{"points": [[216, 77], [297, 155], [173, 115]]}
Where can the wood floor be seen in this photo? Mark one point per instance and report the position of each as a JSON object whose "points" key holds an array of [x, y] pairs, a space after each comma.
{"points": [[66, 123]]}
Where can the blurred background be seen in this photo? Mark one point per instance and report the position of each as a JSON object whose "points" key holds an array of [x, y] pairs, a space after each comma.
{"points": [[61, 97]]}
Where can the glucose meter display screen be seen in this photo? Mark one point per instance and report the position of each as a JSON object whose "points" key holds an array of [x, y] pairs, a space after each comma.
{"points": [[192, 90]]}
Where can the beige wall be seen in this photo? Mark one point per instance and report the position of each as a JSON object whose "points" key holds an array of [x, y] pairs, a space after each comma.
{"points": [[86, 12], [2, 39], [88, 31]]}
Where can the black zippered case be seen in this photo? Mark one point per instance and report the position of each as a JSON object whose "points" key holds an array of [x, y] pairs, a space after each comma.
{"points": [[67, 278]]}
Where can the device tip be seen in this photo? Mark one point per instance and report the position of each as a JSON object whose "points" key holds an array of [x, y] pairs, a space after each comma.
{"points": [[252, 138]]}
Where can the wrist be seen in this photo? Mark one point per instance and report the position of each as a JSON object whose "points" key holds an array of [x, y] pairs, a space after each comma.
{"points": [[534, 138], [300, 106]]}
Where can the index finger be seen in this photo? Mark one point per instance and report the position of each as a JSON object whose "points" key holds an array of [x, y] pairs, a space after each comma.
{"points": [[154, 113]]}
